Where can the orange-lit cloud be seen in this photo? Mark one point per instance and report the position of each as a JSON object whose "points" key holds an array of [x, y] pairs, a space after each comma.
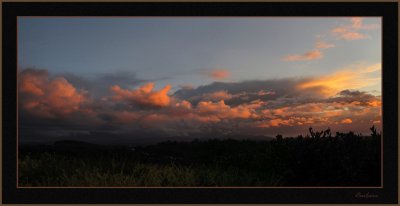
{"points": [[183, 114], [343, 33], [357, 23], [334, 110], [264, 93], [217, 74], [311, 55], [49, 97], [276, 105], [375, 103], [281, 111], [376, 122], [62, 96], [347, 78], [323, 45], [290, 121], [308, 56], [216, 96], [212, 108], [352, 30], [346, 121], [184, 105], [256, 104], [143, 96], [346, 32], [222, 110], [33, 82]]}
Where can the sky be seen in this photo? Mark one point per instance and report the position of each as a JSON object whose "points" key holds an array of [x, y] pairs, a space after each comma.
{"points": [[143, 77]]}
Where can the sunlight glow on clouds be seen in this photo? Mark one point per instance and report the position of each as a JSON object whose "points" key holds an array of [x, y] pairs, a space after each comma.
{"points": [[251, 84], [323, 45], [318, 101], [347, 32], [347, 121], [49, 97], [143, 96], [348, 78], [311, 55], [352, 31], [217, 74]]}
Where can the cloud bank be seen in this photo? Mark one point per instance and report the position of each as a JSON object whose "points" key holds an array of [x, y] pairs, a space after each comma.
{"points": [[267, 107]]}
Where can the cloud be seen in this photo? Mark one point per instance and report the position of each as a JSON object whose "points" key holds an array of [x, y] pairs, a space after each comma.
{"points": [[357, 23], [186, 86], [125, 117], [237, 93], [99, 84], [356, 98], [142, 96], [48, 97], [264, 93], [184, 104], [264, 107], [352, 31], [323, 45], [346, 121], [183, 118], [314, 54], [322, 112], [346, 34], [223, 111], [33, 81], [216, 96], [216, 74], [308, 56], [299, 102], [207, 96], [347, 78]]}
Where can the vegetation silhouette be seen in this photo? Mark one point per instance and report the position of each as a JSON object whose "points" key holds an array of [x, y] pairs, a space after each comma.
{"points": [[318, 159]]}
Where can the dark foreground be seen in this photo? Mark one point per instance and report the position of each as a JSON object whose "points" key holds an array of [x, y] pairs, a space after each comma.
{"points": [[320, 159]]}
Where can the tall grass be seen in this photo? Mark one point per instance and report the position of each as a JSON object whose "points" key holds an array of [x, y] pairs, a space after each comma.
{"points": [[56, 170]]}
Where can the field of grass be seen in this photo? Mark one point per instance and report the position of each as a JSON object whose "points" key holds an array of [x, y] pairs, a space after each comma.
{"points": [[51, 170], [346, 159]]}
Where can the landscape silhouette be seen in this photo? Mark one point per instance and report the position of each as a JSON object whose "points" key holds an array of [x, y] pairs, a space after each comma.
{"points": [[317, 159]]}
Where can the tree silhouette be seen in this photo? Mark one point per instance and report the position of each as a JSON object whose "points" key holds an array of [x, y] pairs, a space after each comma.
{"points": [[279, 137]]}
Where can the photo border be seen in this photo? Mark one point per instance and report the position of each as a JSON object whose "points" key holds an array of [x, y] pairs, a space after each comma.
{"points": [[387, 194]]}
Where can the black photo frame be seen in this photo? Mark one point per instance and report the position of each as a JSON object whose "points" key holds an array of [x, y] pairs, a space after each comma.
{"points": [[388, 193]]}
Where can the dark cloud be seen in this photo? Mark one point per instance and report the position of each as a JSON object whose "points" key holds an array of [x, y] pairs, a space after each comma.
{"points": [[244, 91], [99, 85], [354, 96]]}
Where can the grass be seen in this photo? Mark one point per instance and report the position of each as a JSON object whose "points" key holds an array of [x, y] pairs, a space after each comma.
{"points": [[51, 170], [347, 159]]}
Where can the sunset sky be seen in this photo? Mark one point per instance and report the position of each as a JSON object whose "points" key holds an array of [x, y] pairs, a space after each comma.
{"points": [[144, 77]]}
